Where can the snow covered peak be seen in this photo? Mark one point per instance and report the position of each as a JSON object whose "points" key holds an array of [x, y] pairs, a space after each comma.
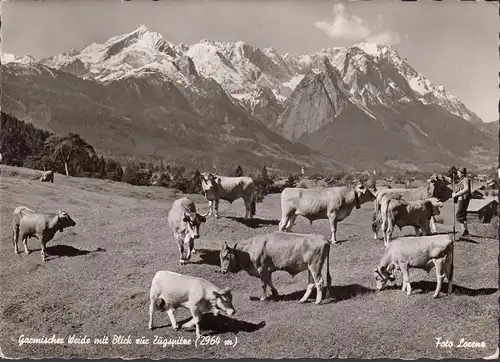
{"points": [[7, 58]]}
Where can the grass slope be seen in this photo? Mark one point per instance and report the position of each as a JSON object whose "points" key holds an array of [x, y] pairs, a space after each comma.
{"points": [[97, 283]]}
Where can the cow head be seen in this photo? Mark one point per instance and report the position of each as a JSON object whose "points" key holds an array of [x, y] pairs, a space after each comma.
{"points": [[208, 181], [383, 275], [439, 187], [362, 194], [228, 261], [223, 301], [433, 206], [64, 220], [193, 220]]}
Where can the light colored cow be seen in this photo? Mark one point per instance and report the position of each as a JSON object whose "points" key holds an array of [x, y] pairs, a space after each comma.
{"points": [[436, 187], [262, 255], [185, 223], [402, 213], [332, 203], [28, 223], [47, 176], [420, 252], [218, 188], [171, 290]]}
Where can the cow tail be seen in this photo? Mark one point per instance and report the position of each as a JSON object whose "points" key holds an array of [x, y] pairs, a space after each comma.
{"points": [[450, 255], [328, 276]]}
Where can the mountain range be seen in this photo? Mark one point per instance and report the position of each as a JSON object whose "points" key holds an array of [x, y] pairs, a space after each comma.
{"points": [[219, 104]]}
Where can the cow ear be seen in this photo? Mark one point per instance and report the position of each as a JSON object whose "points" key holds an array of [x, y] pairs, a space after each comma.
{"points": [[186, 217], [217, 295], [218, 180]]}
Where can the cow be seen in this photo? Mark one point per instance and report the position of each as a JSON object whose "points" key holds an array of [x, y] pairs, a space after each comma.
{"points": [[436, 186], [420, 252], [185, 222], [264, 254], [47, 176], [332, 203], [171, 290], [28, 223], [218, 188], [402, 213]]}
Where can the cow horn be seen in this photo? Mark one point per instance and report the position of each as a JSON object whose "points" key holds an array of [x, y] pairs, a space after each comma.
{"points": [[206, 214]]}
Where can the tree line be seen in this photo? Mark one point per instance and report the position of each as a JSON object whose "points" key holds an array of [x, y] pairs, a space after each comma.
{"points": [[24, 145]]}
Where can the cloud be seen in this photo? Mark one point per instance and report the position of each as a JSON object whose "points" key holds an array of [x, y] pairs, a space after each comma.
{"points": [[352, 27]]}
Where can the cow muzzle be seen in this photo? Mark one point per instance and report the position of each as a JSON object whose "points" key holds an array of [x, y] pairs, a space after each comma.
{"points": [[230, 312], [197, 236]]}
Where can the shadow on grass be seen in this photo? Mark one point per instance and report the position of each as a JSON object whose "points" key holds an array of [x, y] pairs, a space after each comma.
{"points": [[337, 293], [426, 286], [254, 223], [66, 250], [208, 256], [219, 324]]}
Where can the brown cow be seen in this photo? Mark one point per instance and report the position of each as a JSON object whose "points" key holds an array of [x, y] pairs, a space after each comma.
{"points": [[262, 255], [332, 203]]}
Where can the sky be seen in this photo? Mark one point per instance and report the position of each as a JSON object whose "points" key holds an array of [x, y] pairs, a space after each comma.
{"points": [[452, 43]]}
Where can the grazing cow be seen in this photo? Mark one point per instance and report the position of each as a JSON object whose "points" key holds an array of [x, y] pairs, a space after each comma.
{"points": [[185, 223], [436, 187], [218, 188], [171, 290], [28, 223], [420, 252], [333, 203], [262, 255], [402, 213], [47, 176]]}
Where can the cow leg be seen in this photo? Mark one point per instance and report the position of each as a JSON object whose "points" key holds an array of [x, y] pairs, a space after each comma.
{"points": [[439, 275], [283, 223], [265, 277], [406, 277], [16, 237], [291, 222], [182, 261], [190, 248], [43, 250], [432, 224], [310, 287], [195, 320], [25, 243], [388, 233], [333, 226], [318, 281], [448, 269], [210, 208], [170, 313], [217, 208], [151, 310], [248, 207]]}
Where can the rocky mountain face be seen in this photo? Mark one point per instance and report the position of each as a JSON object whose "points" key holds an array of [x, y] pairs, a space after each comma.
{"points": [[228, 103]]}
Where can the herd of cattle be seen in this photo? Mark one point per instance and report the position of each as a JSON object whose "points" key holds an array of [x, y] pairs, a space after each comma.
{"points": [[283, 250]]}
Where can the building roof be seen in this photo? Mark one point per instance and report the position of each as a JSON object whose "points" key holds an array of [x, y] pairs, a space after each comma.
{"points": [[477, 204]]}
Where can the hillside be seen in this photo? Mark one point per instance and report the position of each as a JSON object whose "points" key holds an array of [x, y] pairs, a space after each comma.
{"points": [[149, 116], [139, 94]]}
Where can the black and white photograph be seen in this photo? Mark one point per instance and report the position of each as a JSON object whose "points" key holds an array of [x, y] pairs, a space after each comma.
{"points": [[249, 179]]}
